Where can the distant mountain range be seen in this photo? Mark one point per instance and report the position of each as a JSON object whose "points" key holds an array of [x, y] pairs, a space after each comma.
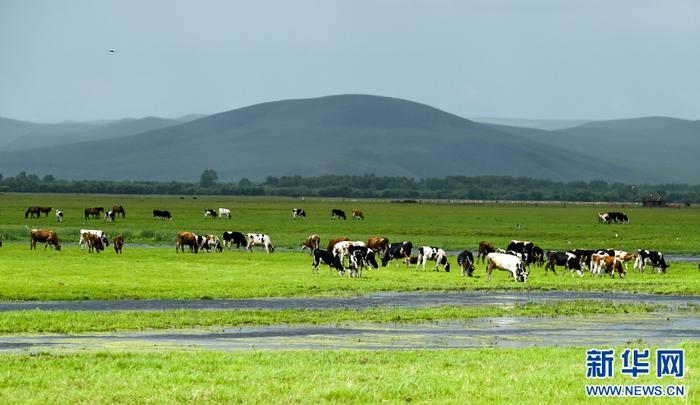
{"points": [[353, 134]]}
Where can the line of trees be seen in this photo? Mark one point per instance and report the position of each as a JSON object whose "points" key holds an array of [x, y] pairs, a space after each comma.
{"points": [[368, 186]]}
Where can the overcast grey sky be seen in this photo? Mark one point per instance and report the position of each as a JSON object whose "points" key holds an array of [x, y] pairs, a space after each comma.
{"points": [[525, 59]]}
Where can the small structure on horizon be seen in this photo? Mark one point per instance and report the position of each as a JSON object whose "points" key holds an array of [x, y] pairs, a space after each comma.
{"points": [[654, 201]]}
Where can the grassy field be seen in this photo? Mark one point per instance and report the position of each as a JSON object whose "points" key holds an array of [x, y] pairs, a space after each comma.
{"points": [[534, 375], [450, 226], [35, 321], [139, 273]]}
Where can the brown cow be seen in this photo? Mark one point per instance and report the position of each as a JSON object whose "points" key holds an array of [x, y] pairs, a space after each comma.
{"points": [[378, 244], [358, 214], [48, 236], [312, 242], [118, 243], [485, 247], [609, 264], [93, 242], [409, 260], [186, 239], [118, 209], [334, 241]]}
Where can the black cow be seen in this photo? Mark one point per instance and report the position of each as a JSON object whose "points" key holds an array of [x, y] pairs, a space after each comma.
{"points": [[336, 213], [360, 257], [655, 258], [238, 238], [583, 256], [326, 257], [567, 259], [538, 255], [524, 248], [298, 213], [465, 260], [162, 214], [397, 251], [618, 217]]}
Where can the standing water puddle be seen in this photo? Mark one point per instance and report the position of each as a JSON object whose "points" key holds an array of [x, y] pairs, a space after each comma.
{"points": [[606, 330]]}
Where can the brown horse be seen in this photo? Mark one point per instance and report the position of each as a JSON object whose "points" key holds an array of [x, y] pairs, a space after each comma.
{"points": [[94, 212], [118, 209], [37, 211]]}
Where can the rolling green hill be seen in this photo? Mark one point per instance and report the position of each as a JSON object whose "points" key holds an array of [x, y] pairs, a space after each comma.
{"points": [[345, 134]]}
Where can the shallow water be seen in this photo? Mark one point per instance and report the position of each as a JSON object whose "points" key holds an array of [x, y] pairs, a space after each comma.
{"points": [[389, 299], [516, 332]]}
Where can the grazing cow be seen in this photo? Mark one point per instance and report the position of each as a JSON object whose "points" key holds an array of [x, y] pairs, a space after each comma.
{"points": [[342, 249], [59, 215], [110, 216], [94, 212], [208, 212], [313, 242], [507, 263], [618, 217], [186, 239], [118, 244], [37, 211], [209, 242], [609, 264], [567, 259], [255, 239], [655, 258], [94, 242], [224, 213], [336, 213], [426, 253], [583, 256], [118, 209], [485, 248], [465, 260], [358, 214], [360, 257], [538, 256], [326, 257], [162, 214], [525, 248], [48, 236], [332, 243], [231, 237], [409, 260], [97, 232], [397, 251], [603, 218], [298, 213], [625, 257], [378, 244]]}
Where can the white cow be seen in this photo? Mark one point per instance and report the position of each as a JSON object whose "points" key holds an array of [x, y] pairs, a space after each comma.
{"points": [[224, 212], [97, 232], [259, 239], [506, 262], [426, 253], [342, 249]]}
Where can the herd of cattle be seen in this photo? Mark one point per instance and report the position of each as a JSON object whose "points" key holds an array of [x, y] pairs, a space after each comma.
{"points": [[516, 258]]}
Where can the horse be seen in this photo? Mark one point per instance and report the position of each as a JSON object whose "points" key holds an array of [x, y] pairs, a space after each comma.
{"points": [[37, 211]]}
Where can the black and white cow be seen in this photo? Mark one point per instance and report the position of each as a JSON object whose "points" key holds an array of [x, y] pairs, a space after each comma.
{"points": [[654, 258], [426, 253], [618, 217], [360, 257], [506, 262], [224, 213], [208, 212], [397, 251], [298, 213], [326, 257], [110, 216], [59, 215], [524, 248], [209, 242], [336, 213], [237, 238], [162, 214], [583, 256], [465, 261], [259, 239], [567, 259], [538, 255]]}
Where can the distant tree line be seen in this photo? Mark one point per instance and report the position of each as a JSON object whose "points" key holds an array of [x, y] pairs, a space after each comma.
{"points": [[368, 186]]}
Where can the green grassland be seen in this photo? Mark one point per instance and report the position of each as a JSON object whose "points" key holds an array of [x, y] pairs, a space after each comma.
{"points": [[36, 321], [140, 273], [533, 375], [450, 226]]}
